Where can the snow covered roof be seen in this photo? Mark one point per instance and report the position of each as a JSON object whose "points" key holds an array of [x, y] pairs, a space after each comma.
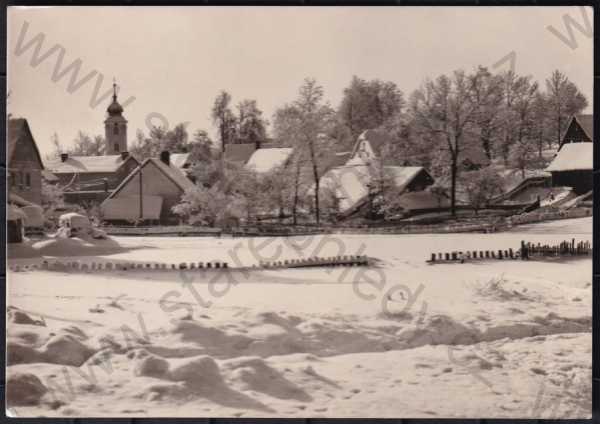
{"points": [[265, 160], [179, 159], [18, 200], [573, 157], [87, 164], [349, 184]]}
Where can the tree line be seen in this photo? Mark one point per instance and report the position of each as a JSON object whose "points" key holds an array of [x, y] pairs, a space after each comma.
{"points": [[511, 118]]}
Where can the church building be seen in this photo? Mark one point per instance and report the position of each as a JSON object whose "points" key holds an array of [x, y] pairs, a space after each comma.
{"points": [[90, 179]]}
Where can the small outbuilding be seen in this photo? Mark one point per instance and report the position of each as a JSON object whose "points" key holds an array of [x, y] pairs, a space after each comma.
{"points": [[573, 167], [573, 164]]}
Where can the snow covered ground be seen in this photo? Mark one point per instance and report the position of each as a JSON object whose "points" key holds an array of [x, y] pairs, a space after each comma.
{"points": [[401, 339]]}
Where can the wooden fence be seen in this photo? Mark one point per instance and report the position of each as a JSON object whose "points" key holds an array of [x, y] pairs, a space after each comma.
{"points": [[527, 251], [462, 257], [565, 248], [112, 266]]}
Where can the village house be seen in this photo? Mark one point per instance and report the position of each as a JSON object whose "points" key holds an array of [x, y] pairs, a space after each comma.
{"points": [[147, 194], [24, 173], [90, 179], [356, 182], [574, 163], [25, 164]]}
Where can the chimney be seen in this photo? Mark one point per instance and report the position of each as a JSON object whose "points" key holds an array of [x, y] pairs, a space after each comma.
{"points": [[124, 155], [165, 157], [64, 157]]}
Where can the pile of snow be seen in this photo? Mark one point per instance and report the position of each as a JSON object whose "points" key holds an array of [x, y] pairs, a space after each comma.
{"points": [[69, 346], [24, 389], [65, 247]]}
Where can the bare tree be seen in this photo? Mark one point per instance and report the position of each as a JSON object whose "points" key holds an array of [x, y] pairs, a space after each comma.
{"points": [[564, 100], [304, 125], [224, 119], [252, 127], [445, 111], [369, 104]]}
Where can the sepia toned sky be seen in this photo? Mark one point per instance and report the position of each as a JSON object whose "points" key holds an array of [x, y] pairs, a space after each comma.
{"points": [[174, 60]]}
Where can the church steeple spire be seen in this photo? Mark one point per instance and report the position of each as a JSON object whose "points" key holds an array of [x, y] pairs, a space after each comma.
{"points": [[115, 126], [114, 90], [114, 108]]}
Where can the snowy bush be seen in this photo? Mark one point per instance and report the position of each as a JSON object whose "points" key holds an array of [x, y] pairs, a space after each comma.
{"points": [[209, 206]]}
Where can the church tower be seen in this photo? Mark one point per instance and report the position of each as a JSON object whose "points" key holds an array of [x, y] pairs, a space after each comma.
{"points": [[115, 127]]}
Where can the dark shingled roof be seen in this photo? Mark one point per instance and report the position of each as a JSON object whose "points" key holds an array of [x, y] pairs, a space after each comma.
{"points": [[239, 153], [17, 129]]}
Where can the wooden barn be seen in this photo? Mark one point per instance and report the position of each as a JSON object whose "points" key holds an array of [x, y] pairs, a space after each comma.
{"points": [[147, 194], [573, 167], [25, 165], [574, 163]]}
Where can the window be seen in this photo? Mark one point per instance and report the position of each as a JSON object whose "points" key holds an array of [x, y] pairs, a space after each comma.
{"points": [[116, 129], [28, 180], [116, 147]]}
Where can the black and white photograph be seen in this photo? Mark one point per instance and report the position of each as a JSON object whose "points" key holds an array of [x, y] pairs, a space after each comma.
{"points": [[299, 211]]}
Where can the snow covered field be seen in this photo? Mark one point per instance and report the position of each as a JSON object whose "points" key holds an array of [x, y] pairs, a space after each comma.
{"points": [[402, 339]]}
